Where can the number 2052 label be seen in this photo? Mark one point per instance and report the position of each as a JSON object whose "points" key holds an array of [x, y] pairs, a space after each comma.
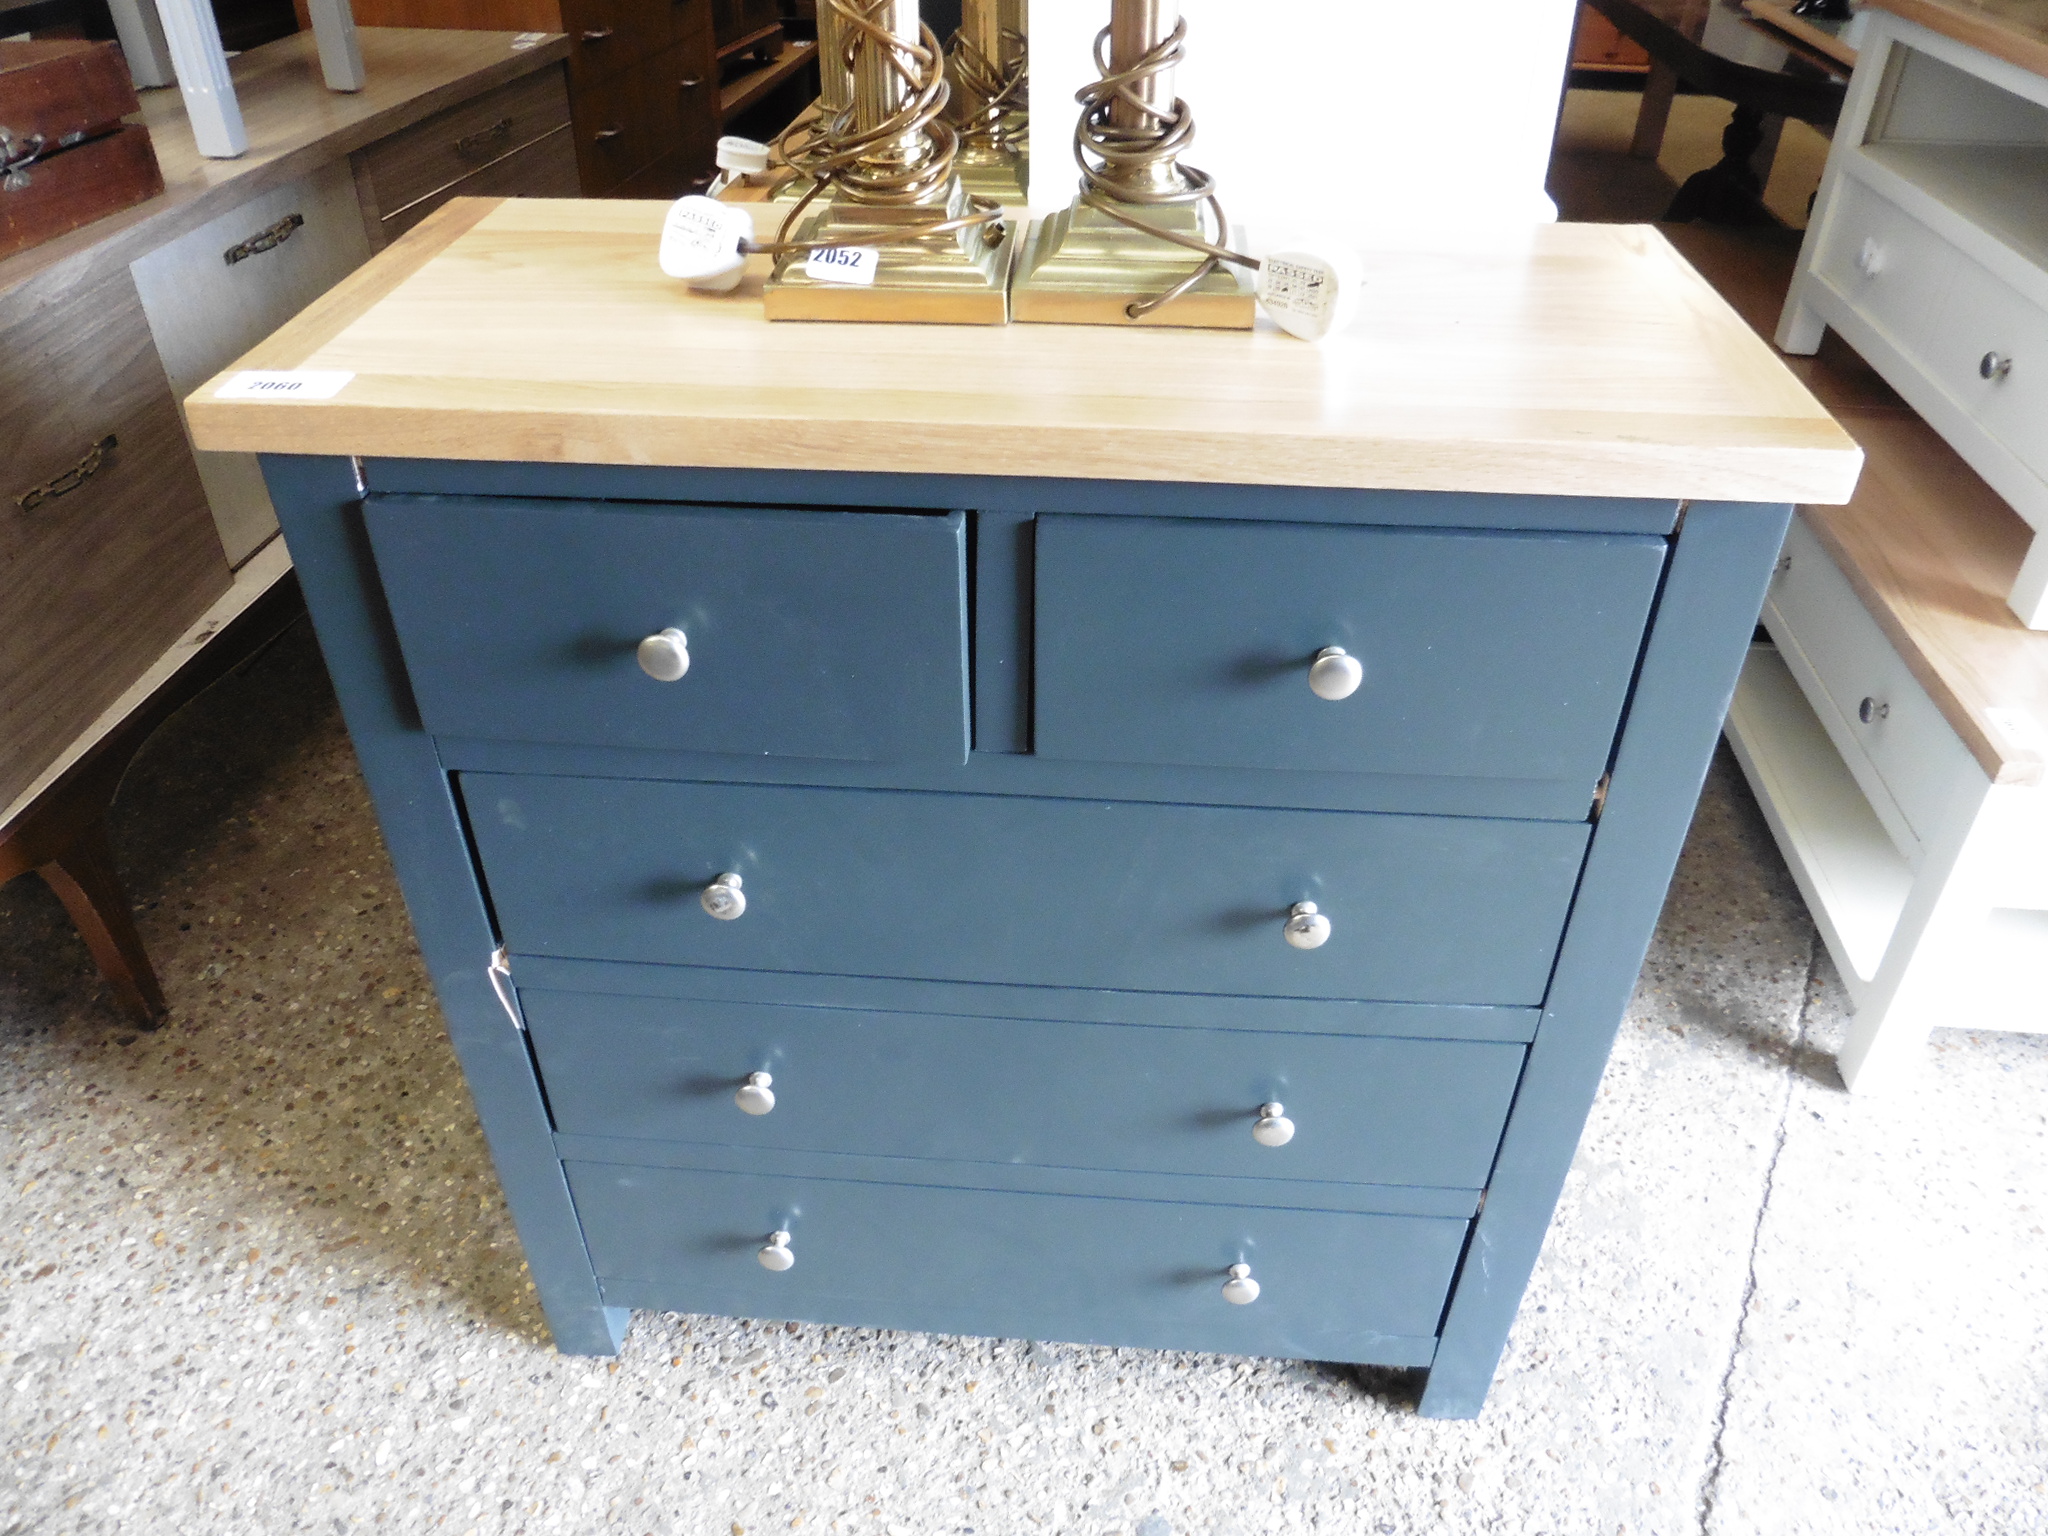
{"points": [[852, 264]]}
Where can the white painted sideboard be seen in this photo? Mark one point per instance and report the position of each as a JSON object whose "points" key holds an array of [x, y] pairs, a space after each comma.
{"points": [[1928, 246]]}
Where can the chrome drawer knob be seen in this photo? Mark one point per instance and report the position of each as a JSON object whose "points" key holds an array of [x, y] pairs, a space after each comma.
{"points": [[1273, 1128], [724, 899], [1994, 366], [776, 1255], [1870, 259], [756, 1096], [665, 657], [1872, 710], [1334, 674], [1240, 1290], [1306, 927]]}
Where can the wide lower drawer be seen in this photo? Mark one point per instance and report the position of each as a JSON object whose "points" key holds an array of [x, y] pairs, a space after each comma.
{"points": [[1476, 654], [1165, 1100], [403, 172], [805, 634], [1333, 1285], [1022, 890]]}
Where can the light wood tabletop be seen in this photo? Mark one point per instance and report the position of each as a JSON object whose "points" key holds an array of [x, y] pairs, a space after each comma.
{"points": [[2013, 30], [1588, 360]]}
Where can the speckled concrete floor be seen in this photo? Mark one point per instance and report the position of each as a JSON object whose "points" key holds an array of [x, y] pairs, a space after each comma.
{"points": [[255, 1274]]}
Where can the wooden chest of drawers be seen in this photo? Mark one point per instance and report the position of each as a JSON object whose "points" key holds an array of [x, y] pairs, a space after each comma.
{"points": [[991, 928]]}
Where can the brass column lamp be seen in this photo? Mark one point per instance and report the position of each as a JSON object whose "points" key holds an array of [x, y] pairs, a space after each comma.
{"points": [[886, 231], [1132, 249], [801, 139], [988, 68]]}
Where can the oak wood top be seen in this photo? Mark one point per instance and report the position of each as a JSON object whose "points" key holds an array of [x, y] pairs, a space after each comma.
{"points": [[295, 125], [1590, 361], [2013, 30]]}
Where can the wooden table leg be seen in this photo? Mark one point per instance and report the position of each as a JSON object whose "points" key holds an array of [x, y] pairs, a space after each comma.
{"points": [[1659, 88], [85, 880]]}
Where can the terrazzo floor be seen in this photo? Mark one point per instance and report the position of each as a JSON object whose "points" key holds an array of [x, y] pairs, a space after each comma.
{"points": [[258, 1278]]}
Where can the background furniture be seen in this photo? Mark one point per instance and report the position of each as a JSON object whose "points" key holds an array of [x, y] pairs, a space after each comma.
{"points": [[1598, 47], [643, 81], [1715, 47], [1928, 248], [125, 558], [1105, 958]]}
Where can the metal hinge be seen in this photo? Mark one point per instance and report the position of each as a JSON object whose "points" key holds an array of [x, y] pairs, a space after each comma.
{"points": [[1599, 797], [501, 983]]}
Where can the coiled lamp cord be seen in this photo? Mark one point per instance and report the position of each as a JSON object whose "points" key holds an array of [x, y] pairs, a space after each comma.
{"points": [[902, 162], [1113, 182], [1002, 118]]}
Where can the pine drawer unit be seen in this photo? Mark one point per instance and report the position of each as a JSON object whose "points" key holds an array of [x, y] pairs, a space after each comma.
{"points": [[991, 929]]}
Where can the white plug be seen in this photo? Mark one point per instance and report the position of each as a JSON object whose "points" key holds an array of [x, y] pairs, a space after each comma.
{"points": [[1311, 294], [703, 242]]}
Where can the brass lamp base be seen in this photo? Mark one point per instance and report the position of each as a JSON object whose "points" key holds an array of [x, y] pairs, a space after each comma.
{"points": [[1081, 267], [951, 279], [996, 174]]}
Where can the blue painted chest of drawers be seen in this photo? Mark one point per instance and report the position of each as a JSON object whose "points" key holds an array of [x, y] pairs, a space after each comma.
{"points": [[1023, 782]]}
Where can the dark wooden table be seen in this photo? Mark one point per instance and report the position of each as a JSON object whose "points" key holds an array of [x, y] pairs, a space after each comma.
{"points": [[1718, 49]]}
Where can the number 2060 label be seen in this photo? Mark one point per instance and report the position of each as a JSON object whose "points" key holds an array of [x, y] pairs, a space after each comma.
{"points": [[851, 264]]}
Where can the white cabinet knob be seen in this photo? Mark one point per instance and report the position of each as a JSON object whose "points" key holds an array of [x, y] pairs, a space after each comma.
{"points": [[665, 657], [724, 899], [1240, 1290], [1273, 1128], [756, 1096], [776, 1255], [1334, 674], [1870, 259], [1306, 927]]}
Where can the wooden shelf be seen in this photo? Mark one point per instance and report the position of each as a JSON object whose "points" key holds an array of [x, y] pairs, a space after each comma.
{"points": [[742, 44], [741, 92]]}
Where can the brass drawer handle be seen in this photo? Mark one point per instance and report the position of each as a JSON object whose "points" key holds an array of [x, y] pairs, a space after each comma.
{"points": [[690, 82], [71, 479], [483, 138], [596, 34], [16, 156], [610, 132], [268, 240]]}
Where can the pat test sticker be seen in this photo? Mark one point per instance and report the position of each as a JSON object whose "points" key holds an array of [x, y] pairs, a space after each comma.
{"points": [[701, 238], [286, 384], [853, 265], [1308, 294]]}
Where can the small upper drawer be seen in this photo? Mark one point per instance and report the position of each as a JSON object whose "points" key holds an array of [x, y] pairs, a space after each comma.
{"points": [[1360, 1109], [607, 36], [1504, 655], [1902, 753], [1026, 890], [1333, 1284], [808, 634], [1887, 264], [412, 165]]}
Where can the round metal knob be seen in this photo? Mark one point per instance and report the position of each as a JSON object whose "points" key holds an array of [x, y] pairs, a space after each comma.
{"points": [[1306, 927], [1240, 1290], [777, 1257], [723, 898], [1870, 259], [1334, 674], [1273, 1128], [1994, 365], [1870, 710], [755, 1097], [665, 657]]}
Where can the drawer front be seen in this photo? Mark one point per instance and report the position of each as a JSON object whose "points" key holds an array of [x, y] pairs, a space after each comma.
{"points": [[544, 168], [1484, 654], [1363, 1110], [432, 156], [205, 311], [103, 571], [1029, 891], [1888, 265], [1986, 323], [658, 106], [606, 37], [809, 634], [1333, 1285], [1905, 757]]}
